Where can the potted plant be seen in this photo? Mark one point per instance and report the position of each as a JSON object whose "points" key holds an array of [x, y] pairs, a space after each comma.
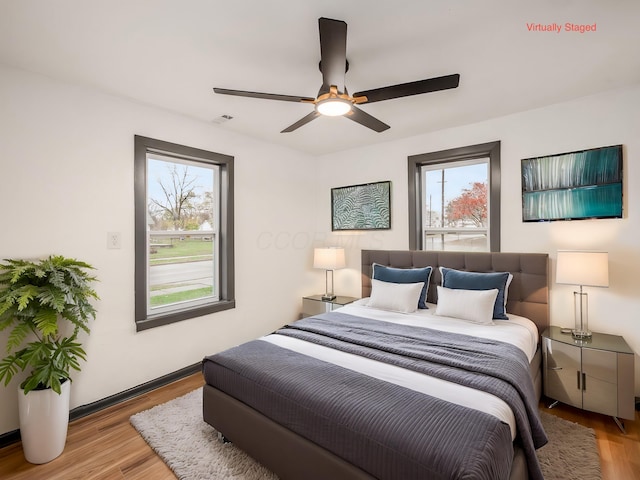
{"points": [[44, 304]]}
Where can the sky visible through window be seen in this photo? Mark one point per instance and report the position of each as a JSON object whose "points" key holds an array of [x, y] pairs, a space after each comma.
{"points": [[158, 169], [456, 179]]}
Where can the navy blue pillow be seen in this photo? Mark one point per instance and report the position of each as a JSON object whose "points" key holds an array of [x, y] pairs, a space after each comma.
{"points": [[480, 281], [405, 275]]}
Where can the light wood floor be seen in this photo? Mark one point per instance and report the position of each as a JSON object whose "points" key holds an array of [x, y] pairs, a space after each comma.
{"points": [[105, 446]]}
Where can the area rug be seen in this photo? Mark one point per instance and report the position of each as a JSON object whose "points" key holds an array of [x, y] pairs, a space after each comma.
{"points": [[189, 446]]}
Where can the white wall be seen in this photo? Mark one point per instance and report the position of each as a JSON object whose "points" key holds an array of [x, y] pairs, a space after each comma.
{"points": [[66, 163], [605, 119]]}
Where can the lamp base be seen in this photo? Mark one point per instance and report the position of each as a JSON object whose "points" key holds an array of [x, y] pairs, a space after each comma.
{"points": [[581, 312], [328, 296], [581, 334]]}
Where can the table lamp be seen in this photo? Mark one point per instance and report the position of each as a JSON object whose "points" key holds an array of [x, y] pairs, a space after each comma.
{"points": [[329, 259], [586, 269]]}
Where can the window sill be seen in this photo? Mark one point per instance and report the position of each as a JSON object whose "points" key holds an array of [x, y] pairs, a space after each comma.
{"points": [[168, 318]]}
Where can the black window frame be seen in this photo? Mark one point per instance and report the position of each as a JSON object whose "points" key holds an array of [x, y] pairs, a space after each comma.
{"points": [[226, 280], [489, 150]]}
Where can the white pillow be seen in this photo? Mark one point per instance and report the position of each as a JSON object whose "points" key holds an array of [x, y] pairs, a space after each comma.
{"points": [[397, 297], [472, 305]]}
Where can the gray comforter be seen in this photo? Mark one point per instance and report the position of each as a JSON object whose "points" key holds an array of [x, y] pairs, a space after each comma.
{"points": [[495, 367], [387, 430]]}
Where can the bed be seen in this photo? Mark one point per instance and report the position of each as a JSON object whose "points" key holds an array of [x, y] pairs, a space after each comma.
{"points": [[304, 404]]}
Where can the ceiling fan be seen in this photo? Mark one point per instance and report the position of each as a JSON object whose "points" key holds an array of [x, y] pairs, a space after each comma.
{"points": [[333, 98]]}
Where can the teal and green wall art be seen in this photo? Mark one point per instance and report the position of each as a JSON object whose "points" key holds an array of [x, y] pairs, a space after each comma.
{"points": [[361, 207], [572, 186]]}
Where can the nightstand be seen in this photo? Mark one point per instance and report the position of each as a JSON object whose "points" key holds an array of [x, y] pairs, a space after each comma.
{"points": [[313, 304], [594, 374]]}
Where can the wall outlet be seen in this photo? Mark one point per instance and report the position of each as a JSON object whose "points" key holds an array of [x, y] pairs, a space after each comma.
{"points": [[114, 240]]}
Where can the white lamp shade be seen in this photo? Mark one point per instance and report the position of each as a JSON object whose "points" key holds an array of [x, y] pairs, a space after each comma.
{"points": [[328, 258], [589, 269]]}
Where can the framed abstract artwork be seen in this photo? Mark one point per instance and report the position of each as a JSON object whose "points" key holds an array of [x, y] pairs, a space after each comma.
{"points": [[573, 186], [361, 207]]}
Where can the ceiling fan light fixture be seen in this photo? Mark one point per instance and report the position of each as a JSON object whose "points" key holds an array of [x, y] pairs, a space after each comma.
{"points": [[333, 107], [333, 99]]}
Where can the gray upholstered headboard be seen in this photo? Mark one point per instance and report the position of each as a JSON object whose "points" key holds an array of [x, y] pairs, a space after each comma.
{"points": [[528, 293]]}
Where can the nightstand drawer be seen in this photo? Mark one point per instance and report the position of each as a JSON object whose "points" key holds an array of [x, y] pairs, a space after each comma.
{"points": [[562, 372], [600, 381]]}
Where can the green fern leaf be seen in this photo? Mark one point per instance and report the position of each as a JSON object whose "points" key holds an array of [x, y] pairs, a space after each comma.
{"points": [[53, 297], [36, 353], [46, 321], [17, 335], [8, 368], [26, 294]]}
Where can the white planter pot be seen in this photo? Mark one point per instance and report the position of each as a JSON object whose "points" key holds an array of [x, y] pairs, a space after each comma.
{"points": [[44, 418]]}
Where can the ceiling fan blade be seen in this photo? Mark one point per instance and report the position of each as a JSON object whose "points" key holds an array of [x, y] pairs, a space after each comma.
{"points": [[410, 88], [303, 121], [333, 53], [266, 96], [363, 118]]}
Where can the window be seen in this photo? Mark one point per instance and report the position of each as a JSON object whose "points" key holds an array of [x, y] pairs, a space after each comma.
{"points": [[183, 233], [454, 199], [455, 213]]}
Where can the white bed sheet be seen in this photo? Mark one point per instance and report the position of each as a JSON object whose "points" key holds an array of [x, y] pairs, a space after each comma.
{"points": [[518, 331]]}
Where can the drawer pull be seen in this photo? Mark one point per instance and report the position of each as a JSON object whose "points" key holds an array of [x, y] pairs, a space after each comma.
{"points": [[555, 368]]}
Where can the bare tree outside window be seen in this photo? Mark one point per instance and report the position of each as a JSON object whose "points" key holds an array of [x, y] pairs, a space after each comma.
{"points": [[181, 202], [176, 203]]}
